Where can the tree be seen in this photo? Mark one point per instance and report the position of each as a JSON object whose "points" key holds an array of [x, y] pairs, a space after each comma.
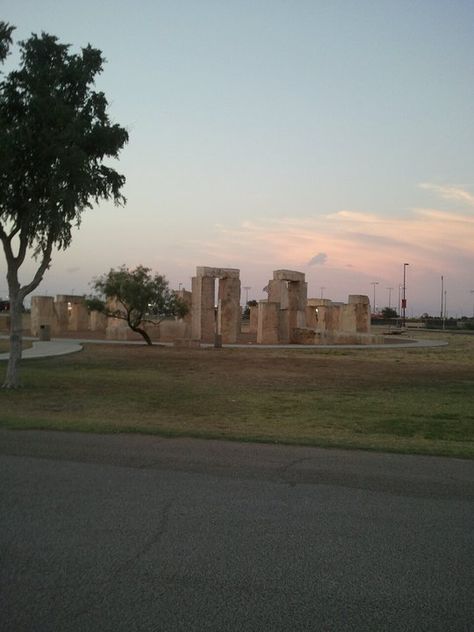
{"points": [[54, 136], [389, 312], [137, 297]]}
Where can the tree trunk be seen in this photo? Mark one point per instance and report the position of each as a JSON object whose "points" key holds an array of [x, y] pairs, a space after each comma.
{"points": [[142, 333], [12, 379]]}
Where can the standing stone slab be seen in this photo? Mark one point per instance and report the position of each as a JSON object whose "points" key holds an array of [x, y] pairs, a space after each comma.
{"points": [[268, 323], [203, 309], [42, 313], [229, 314]]}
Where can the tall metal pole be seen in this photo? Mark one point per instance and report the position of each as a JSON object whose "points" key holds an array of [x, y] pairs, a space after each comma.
{"points": [[374, 283], [246, 288], [472, 292], [389, 296], [442, 296], [445, 309], [404, 299], [322, 288]]}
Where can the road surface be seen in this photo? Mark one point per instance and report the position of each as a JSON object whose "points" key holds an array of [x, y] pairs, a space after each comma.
{"points": [[132, 533]]}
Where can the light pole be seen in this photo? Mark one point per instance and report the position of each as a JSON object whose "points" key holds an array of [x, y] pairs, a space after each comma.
{"points": [[246, 288], [404, 299], [389, 296], [445, 309], [442, 296], [374, 283], [472, 292], [322, 288]]}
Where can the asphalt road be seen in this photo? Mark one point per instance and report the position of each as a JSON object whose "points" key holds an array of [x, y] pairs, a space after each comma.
{"points": [[130, 533]]}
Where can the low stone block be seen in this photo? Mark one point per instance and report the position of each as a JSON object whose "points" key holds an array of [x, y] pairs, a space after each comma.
{"points": [[303, 336]]}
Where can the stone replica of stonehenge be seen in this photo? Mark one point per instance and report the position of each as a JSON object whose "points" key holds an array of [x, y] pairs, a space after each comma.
{"points": [[288, 316]]}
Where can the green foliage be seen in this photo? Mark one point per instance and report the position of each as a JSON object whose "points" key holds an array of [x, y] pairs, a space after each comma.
{"points": [[389, 312], [137, 296], [54, 135], [95, 304], [6, 31]]}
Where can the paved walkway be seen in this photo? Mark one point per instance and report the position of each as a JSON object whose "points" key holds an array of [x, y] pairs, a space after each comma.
{"points": [[64, 346], [46, 349]]}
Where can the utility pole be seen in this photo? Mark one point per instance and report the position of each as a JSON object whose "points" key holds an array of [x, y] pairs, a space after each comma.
{"points": [[322, 288], [445, 310], [389, 296], [374, 283], [404, 299], [246, 288], [442, 296], [472, 292]]}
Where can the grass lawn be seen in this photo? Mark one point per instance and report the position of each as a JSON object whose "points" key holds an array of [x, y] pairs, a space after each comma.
{"points": [[402, 400]]}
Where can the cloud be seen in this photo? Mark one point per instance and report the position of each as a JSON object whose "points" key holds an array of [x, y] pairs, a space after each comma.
{"points": [[430, 239], [449, 192], [318, 260]]}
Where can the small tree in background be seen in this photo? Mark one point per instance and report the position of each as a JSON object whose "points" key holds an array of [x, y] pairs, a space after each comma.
{"points": [[138, 297], [54, 136], [389, 312]]}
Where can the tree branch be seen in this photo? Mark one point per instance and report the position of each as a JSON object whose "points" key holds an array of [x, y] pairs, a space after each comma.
{"points": [[26, 289], [22, 251], [7, 247]]}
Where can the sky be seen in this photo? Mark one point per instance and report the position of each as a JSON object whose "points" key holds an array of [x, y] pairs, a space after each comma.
{"points": [[331, 137]]}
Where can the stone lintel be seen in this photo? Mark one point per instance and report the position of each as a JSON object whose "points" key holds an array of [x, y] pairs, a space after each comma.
{"points": [[288, 275], [218, 273], [358, 298]]}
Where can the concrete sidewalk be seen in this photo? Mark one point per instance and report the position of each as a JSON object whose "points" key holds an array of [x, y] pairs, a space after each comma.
{"points": [[46, 349], [63, 346]]}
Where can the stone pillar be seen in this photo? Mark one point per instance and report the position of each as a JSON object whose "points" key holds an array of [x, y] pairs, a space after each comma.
{"points": [[79, 317], [317, 313], [229, 314], [203, 313], [62, 306], [253, 319], [268, 323], [297, 298], [361, 304], [117, 329], [42, 313], [278, 292], [97, 321]]}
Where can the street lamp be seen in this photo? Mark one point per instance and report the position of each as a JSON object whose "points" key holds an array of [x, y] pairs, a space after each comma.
{"points": [[442, 297], [322, 288], [404, 299], [389, 296], [374, 283], [246, 288], [472, 292]]}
